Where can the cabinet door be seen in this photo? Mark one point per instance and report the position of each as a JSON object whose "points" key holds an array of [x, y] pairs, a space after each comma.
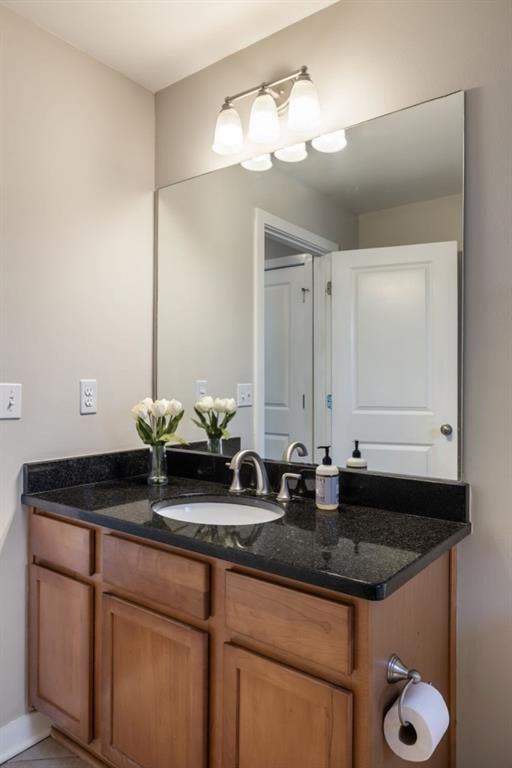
{"points": [[154, 679], [276, 717], [61, 624]]}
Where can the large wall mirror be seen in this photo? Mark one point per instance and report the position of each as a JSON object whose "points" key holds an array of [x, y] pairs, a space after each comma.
{"points": [[332, 287]]}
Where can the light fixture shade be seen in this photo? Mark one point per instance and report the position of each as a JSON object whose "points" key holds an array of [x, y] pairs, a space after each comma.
{"points": [[304, 108], [259, 163], [264, 120], [228, 137], [330, 142], [293, 154]]}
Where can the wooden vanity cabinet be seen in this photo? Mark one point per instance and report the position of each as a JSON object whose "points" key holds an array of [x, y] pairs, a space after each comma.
{"points": [[147, 656], [61, 650], [277, 716], [154, 689]]}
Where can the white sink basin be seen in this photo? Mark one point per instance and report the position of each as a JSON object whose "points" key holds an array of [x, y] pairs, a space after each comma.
{"points": [[219, 511]]}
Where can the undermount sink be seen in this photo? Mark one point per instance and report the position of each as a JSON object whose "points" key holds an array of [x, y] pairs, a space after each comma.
{"points": [[219, 511]]}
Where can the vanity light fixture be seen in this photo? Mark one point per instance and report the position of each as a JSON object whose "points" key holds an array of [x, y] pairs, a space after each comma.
{"points": [[294, 92], [259, 163], [330, 142], [293, 154], [264, 121], [229, 136], [304, 111]]}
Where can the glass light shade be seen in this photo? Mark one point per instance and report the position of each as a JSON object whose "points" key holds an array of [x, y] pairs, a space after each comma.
{"points": [[264, 120], [228, 137], [293, 154], [330, 142], [304, 108], [259, 163]]}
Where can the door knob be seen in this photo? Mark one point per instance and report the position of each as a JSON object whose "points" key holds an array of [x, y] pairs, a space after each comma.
{"points": [[446, 429]]}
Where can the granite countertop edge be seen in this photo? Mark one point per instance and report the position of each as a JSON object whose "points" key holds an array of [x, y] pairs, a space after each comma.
{"points": [[374, 591]]}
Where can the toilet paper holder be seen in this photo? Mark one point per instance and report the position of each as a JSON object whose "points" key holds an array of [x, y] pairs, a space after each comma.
{"points": [[397, 672]]}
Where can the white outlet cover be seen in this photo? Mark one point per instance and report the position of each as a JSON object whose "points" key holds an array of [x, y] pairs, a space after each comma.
{"points": [[10, 401], [88, 396], [201, 388], [244, 395]]}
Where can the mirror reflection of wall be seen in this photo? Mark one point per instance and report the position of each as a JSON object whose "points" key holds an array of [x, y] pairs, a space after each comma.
{"points": [[331, 285]]}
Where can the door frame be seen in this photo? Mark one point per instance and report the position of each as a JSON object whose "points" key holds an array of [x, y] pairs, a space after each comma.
{"points": [[304, 240]]}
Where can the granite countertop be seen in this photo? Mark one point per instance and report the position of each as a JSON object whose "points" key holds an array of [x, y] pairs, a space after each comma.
{"points": [[358, 550]]}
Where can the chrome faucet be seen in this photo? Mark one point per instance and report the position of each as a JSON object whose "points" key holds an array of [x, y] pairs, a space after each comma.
{"points": [[296, 446], [262, 485]]}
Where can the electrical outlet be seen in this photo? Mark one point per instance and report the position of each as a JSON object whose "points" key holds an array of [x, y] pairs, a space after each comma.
{"points": [[10, 401], [244, 395], [88, 396], [201, 388]]}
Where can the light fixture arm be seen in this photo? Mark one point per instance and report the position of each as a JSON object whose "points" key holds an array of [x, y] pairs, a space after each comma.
{"points": [[266, 86]]}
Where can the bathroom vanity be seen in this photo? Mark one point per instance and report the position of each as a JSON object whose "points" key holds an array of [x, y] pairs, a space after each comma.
{"points": [[154, 643]]}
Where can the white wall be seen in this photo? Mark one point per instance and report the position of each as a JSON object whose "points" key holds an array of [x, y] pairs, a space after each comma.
{"points": [[76, 156], [428, 221], [206, 278], [369, 58]]}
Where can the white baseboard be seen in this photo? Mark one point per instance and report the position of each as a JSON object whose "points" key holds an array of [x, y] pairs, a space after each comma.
{"points": [[22, 733]]}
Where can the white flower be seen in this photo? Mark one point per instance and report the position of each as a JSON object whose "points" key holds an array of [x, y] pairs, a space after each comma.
{"points": [[224, 405], [159, 408], [140, 411], [205, 404], [174, 408], [147, 403], [230, 404]]}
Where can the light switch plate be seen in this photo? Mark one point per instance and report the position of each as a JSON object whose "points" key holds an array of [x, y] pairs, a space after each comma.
{"points": [[244, 395], [88, 396], [201, 388], [10, 401]]}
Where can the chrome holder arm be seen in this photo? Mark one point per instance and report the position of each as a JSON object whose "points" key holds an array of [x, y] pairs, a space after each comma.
{"points": [[397, 672]]}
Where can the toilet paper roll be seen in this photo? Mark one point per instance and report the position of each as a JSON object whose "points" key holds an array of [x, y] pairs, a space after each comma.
{"points": [[427, 714]]}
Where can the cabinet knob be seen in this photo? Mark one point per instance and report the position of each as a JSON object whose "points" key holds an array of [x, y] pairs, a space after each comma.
{"points": [[446, 429]]}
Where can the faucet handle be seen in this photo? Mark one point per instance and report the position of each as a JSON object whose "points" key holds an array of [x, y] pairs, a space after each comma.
{"points": [[284, 491], [236, 483]]}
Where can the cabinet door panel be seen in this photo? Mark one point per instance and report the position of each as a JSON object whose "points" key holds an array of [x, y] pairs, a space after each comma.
{"points": [[61, 619], [276, 717], [154, 689]]}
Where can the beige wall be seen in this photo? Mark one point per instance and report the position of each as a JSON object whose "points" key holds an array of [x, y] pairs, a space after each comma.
{"points": [[429, 221], [76, 155], [369, 58], [206, 239]]}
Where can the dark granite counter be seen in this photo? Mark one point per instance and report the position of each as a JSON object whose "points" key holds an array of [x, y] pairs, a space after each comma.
{"points": [[359, 550]]}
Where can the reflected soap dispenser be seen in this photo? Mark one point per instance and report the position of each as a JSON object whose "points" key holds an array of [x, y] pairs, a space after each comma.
{"points": [[356, 461], [327, 483]]}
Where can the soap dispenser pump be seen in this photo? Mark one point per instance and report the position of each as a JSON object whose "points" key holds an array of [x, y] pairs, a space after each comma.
{"points": [[356, 461], [327, 482]]}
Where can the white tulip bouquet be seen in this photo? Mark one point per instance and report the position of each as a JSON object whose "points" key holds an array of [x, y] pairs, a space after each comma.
{"points": [[157, 421], [214, 415]]}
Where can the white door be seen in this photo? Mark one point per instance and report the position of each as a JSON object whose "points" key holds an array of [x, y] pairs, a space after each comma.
{"points": [[288, 357], [395, 357]]}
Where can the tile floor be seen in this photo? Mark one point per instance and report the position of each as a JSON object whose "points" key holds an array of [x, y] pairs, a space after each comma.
{"points": [[47, 754]]}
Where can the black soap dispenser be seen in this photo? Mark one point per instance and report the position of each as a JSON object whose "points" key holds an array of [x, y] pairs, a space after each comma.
{"points": [[356, 461]]}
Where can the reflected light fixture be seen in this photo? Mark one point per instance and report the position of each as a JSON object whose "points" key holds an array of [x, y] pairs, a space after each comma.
{"points": [[294, 92], [293, 154], [330, 142], [259, 163]]}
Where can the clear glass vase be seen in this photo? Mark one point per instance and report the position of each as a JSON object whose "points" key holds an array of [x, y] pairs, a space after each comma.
{"points": [[214, 444], [157, 466]]}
